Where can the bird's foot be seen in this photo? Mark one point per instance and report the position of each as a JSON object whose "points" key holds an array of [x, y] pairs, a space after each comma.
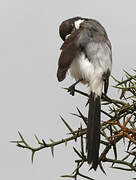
{"points": [[71, 90]]}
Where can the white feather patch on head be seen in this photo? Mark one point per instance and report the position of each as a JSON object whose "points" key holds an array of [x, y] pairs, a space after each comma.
{"points": [[67, 36], [77, 23]]}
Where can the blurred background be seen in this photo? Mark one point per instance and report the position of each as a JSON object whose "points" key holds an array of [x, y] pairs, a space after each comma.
{"points": [[31, 99]]}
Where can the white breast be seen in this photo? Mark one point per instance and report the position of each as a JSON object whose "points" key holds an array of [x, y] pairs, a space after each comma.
{"points": [[92, 70]]}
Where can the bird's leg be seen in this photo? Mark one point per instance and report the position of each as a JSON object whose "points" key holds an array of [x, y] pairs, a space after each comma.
{"points": [[71, 89]]}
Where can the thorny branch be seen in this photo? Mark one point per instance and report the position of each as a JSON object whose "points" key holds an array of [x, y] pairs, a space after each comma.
{"points": [[119, 124]]}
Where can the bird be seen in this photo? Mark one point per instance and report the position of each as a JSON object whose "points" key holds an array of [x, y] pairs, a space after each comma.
{"points": [[86, 53]]}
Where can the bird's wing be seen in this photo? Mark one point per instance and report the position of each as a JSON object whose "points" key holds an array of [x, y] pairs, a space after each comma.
{"points": [[72, 46], [69, 52]]}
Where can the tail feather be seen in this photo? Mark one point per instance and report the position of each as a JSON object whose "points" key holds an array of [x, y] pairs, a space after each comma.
{"points": [[93, 131]]}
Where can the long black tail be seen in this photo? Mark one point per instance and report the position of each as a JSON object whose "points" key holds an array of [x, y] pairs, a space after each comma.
{"points": [[93, 130]]}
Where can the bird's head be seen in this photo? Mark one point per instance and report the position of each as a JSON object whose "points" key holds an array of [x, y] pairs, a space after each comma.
{"points": [[68, 26]]}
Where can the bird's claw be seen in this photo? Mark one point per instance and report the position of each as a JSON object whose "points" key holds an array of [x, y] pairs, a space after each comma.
{"points": [[71, 90]]}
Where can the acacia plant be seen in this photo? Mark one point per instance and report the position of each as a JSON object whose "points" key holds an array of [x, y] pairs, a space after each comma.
{"points": [[118, 128]]}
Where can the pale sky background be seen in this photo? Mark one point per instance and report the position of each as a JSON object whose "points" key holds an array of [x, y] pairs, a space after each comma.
{"points": [[31, 99]]}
